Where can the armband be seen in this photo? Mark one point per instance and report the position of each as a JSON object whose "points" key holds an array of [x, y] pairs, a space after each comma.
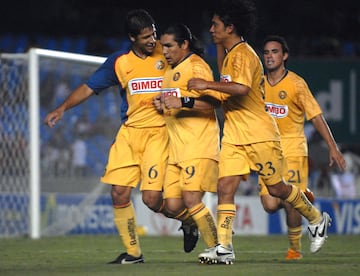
{"points": [[187, 102]]}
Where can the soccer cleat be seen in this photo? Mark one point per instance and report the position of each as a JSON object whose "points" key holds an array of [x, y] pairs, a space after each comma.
{"points": [[217, 255], [318, 233], [209, 256], [225, 255], [293, 255], [191, 236], [125, 258]]}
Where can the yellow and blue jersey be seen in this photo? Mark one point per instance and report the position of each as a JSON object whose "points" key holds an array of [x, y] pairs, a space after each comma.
{"points": [[139, 79]]}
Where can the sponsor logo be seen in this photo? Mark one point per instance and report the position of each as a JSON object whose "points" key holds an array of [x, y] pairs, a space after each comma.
{"points": [[277, 111], [132, 231], [171, 92], [145, 85], [318, 232], [227, 222]]}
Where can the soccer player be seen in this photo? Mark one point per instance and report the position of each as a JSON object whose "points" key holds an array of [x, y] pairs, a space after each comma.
{"points": [[140, 150], [194, 134], [289, 101], [251, 140]]}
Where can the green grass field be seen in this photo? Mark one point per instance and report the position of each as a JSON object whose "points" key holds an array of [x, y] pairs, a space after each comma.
{"points": [[87, 255]]}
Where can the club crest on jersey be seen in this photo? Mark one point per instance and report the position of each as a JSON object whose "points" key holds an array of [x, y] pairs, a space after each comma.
{"points": [[176, 76], [160, 65], [145, 85], [171, 92], [277, 110], [282, 94]]}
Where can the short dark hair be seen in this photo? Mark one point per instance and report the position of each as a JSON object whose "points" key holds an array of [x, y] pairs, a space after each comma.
{"points": [[240, 13], [277, 38], [181, 33], [137, 20]]}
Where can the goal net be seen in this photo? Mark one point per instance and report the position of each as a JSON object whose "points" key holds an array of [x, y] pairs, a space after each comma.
{"points": [[49, 177]]}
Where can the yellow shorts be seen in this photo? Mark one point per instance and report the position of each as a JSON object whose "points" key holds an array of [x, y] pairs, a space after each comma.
{"points": [[192, 175], [265, 158], [138, 154], [296, 174]]}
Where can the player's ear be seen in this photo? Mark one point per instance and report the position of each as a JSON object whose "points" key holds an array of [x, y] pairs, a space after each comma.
{"points": [[185, 44], [230, 28], [286, 56], [132, 38]]}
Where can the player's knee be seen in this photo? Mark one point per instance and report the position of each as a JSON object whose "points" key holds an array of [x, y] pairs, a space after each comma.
{"points": [[270, 204], [279, 190], [152, 199], [269, 210], [120, 195], [173, 207]]}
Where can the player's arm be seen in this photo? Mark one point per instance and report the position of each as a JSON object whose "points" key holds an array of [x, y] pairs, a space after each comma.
{"points": [[335, 155], [200, 103], [232, 88], [79, 95]]}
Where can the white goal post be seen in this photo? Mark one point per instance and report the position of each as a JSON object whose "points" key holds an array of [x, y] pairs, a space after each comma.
{"points": [[31, 81], [34, 108]]}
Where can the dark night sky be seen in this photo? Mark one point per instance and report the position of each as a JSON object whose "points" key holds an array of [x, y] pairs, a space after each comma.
{"points": [[103, 17], [306, 18]]}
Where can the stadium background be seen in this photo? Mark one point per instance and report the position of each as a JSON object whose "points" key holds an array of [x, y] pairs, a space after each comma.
{"points": [[313, 28], [321, 39]]}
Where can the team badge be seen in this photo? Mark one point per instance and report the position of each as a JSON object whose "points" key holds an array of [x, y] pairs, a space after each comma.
{"points": [[160, 65], [282, 94], [176, 76]]}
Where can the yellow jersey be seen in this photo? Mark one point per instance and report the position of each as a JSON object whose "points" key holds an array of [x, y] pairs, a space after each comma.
{"points": [[246, 119], [289, 102], [142, 80], [193, 133]]}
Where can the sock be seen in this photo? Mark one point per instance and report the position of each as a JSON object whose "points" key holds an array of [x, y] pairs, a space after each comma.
{"points": [[125, 221], [225, 217], [205, 223], [185, 217], [294, 236], [300, 202]]}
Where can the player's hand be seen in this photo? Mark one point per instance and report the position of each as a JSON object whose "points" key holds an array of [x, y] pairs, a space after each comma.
{"points": [[157, 103], [336, 156], [53, 117], [197, 84], [172, 102]]}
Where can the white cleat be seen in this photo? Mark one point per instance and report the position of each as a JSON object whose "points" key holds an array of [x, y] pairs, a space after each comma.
{"points": [[208, 256], [217, 255], [225, 255], [318, 233]]}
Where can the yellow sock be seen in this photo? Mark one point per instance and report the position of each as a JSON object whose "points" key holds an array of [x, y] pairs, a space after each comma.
{"points": [[225, 216], [125, 221], [205, 223], [300, 202], [294, 236], [185, 217]]}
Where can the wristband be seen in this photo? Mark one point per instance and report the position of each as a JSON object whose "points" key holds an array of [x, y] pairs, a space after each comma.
{"points": [[187, 102]]}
